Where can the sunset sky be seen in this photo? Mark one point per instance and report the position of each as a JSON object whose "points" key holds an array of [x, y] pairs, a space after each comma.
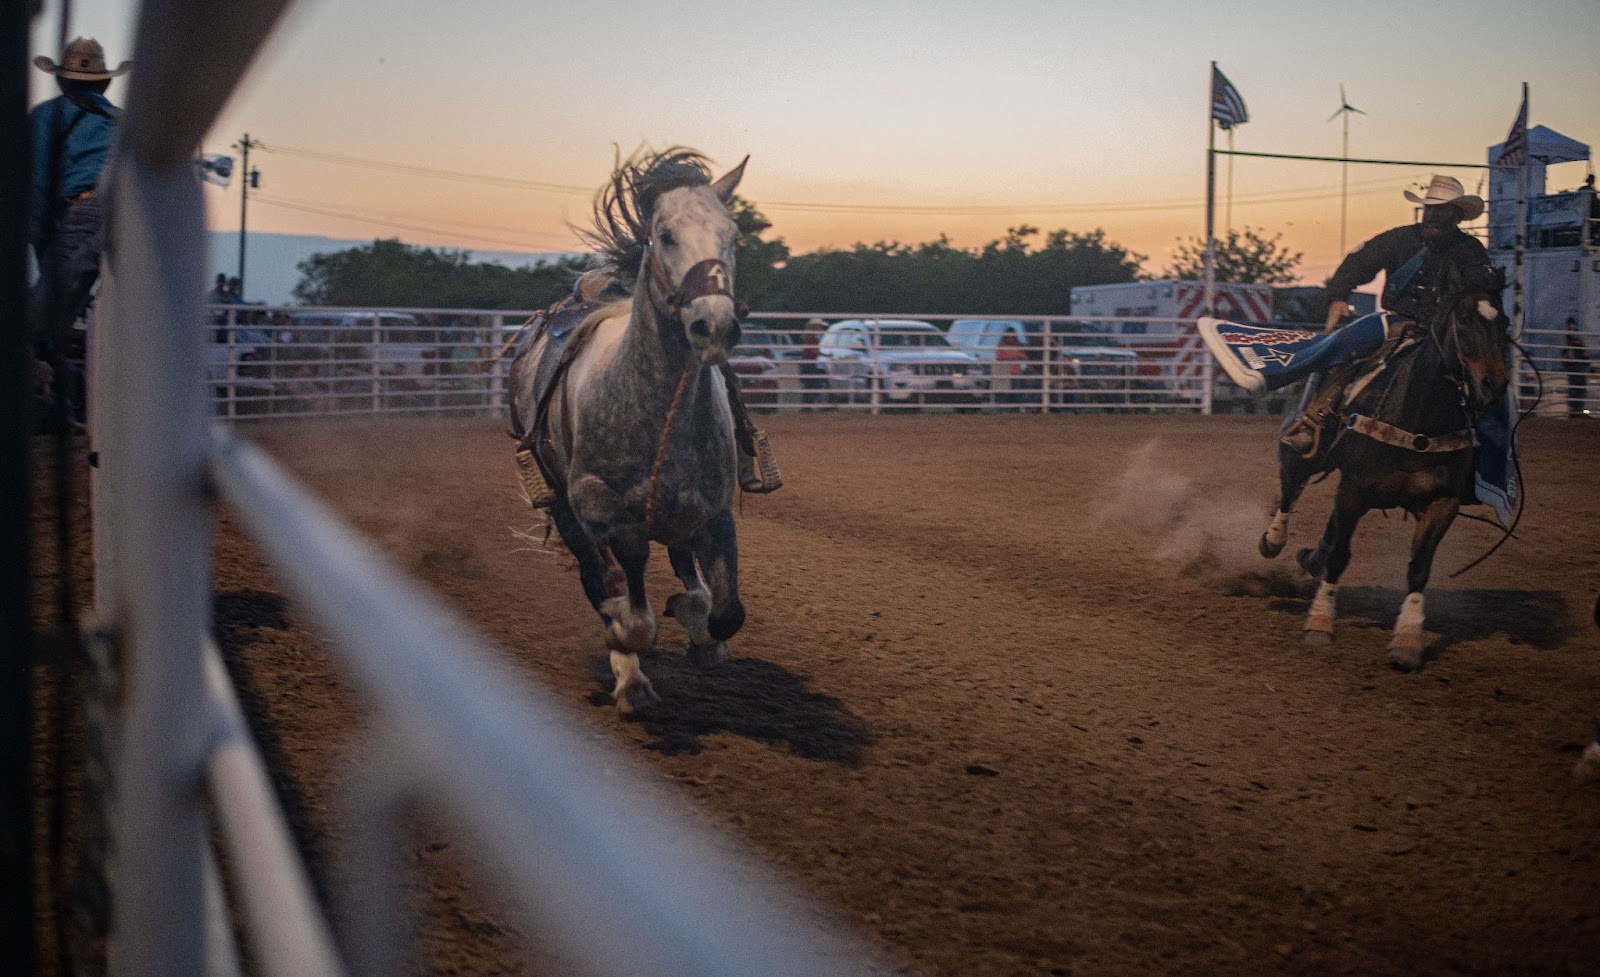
{"points": [[870, 121]]}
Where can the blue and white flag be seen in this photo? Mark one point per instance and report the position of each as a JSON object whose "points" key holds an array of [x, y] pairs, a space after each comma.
{"points": [[1227, 106], [215, 169]]}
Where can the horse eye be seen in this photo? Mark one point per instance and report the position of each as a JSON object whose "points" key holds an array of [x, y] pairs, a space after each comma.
{"points": [[667, 240]]}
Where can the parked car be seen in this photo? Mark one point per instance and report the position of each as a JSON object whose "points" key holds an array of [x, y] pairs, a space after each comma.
{"points": [[758, 375], [981, 337], [1096, 375], [775, 344], [906, 359]]}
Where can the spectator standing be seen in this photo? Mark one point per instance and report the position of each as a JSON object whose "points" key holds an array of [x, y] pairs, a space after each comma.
{"points": [[71, 137], [219, 296], [1575, 361], [812, 371], [1011, 362]]}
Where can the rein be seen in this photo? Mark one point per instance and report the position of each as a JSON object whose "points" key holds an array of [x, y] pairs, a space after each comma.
{"points": [[661, 446], [708, 277]]}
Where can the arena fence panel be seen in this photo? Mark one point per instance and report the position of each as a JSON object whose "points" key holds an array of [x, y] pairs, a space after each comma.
{"points": [[590, 859], [279, 362]]}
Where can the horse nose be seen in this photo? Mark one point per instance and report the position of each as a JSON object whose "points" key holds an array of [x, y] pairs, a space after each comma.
{"points": [[700, 329]]}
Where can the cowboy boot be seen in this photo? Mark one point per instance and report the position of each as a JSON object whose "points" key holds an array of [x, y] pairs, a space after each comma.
{"points": [[1306, 434]]}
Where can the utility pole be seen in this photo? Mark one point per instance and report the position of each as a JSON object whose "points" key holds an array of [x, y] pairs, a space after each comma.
{"points": [[249, 179]]}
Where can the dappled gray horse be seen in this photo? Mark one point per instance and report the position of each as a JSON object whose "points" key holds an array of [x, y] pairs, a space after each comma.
{"points": [[630, 419]]}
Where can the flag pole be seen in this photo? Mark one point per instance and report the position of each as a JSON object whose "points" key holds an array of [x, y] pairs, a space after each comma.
{"points": [[1519, 312], [1211, 199]]}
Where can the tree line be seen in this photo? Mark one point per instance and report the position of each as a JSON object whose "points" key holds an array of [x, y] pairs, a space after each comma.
{"points": [[1026, 272]]}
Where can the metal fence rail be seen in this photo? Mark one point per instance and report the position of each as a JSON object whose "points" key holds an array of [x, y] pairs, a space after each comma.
{"points": [[593, 862], [286, 362], [1565, 363]]}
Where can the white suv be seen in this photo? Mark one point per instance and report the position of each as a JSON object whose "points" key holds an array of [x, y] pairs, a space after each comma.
{"points": [[906, 359]]}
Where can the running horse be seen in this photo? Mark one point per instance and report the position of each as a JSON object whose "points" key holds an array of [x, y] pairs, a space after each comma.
{"points": [[1406, 441], [629, 418]]}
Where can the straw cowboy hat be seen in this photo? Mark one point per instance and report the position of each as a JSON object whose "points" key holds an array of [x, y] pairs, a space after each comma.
{"points": [[1448, 190], [83, 60]]}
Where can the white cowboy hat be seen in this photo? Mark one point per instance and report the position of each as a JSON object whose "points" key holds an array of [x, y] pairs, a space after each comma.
{"points": [[1448, 190], [83, 60]]}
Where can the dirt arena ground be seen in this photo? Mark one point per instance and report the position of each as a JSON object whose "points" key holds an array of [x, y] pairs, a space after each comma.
{"points": [[1016, 696]]}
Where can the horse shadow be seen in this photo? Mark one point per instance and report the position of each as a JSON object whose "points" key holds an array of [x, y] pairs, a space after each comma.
{"points": [[1523, 617], [746, 697]]}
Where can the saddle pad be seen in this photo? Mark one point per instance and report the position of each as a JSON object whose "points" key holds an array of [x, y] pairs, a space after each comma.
{"points": [[557, 331]]}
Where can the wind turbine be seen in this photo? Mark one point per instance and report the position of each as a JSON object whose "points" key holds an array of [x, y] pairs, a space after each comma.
{"points": [[1345, 108]]}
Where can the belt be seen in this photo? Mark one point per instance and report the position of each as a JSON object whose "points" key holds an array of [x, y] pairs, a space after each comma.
{"points": [[85, 195]]}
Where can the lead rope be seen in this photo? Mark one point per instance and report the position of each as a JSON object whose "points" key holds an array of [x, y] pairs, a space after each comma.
{"points": [[661, 447], [1516, 460]]}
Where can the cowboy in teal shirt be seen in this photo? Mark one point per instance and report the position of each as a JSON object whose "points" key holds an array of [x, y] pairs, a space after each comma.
{"points": [[72, 136]]}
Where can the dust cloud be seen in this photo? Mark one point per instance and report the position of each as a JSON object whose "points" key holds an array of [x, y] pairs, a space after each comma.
{"points": [[1209, 539]]}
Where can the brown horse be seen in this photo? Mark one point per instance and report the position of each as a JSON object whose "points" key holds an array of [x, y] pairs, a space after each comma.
{"points": [[1407, 443]]}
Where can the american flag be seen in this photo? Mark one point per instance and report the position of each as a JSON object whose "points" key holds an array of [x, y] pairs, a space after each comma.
{"points": [[1514, 152], [1226, 105]]}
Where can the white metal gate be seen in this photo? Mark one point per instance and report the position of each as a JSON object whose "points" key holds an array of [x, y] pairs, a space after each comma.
{"points": [[590, 859]]}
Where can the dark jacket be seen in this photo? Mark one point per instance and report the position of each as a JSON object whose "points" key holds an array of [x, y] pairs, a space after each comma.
{"points": [[1392, 250]]}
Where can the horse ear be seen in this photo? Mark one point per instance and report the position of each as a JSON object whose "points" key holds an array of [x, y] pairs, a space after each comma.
{"points": [[729, 181]]}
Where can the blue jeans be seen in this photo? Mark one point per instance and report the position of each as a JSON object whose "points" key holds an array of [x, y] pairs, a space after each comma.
{"points": [[68, 270], [1361, 338]]}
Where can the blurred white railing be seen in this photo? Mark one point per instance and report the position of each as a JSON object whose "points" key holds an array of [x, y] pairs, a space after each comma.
{"points": [[590, 861]]}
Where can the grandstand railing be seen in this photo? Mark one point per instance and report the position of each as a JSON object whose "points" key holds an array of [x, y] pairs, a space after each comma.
{"points": [[589, 860]]}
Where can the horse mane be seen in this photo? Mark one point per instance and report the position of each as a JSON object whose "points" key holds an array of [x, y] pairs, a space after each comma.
{"points": [[625, 204]]}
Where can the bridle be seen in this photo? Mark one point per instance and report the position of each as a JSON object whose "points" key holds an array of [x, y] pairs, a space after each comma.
{"points": [[709, 277], [1457, 377]]}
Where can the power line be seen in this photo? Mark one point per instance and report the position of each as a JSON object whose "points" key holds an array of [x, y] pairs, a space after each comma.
{"points": [[1281, 196], [384, 220], [1290, 196], [439, 173], [1345, 159]]}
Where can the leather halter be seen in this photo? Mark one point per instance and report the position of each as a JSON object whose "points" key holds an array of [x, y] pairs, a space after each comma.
{"points": [[709, 277]]}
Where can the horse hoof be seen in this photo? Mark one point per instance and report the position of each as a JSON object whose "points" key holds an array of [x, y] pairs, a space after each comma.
{"points": [[1405, 654], [1319, 629], [691, 609], [708, 655], [1588, 768], [636, 698], [1310, 561], [1267, 548]]}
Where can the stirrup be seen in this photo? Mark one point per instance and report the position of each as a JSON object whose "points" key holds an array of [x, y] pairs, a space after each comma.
{"points": [[758, 474], [539, 493], [1305, 423]]}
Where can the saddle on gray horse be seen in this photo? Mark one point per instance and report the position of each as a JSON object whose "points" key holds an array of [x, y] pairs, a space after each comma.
{"points": [[563, 341]]}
